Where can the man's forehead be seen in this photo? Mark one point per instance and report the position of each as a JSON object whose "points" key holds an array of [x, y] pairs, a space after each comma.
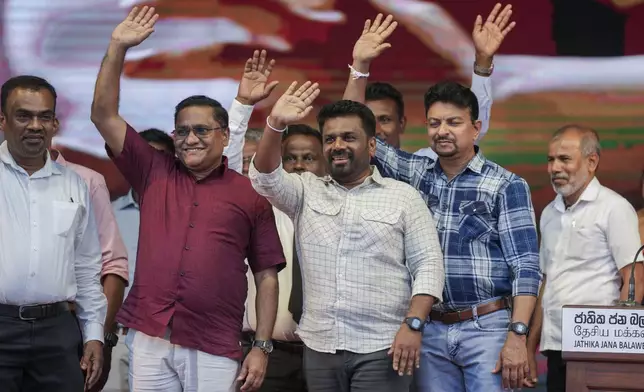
{"points": [[31, 100], [444, 110], [302, 143], [382, 106]]}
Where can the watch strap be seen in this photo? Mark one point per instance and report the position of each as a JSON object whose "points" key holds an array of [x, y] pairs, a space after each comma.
{"points": [[482, 71]]}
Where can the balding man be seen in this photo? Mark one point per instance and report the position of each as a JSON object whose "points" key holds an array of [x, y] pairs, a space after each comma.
{"points": [[589, 237]]}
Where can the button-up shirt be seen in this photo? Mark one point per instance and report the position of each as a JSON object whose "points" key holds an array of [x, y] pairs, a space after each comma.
{"points": [[482, 88], [285, 326], [114, 255], [583, 247], [49, 249], [364, 252], [193, 239], [486, 225], [127, 215]]}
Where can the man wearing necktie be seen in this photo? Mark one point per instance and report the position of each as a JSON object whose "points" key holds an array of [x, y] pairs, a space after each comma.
{"points": [[301, 152]]}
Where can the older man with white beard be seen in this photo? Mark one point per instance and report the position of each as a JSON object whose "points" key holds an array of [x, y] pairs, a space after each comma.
{"points": [[589, 236]]}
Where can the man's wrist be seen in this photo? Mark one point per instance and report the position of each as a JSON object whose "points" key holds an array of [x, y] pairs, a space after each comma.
{"points": [[277, 123], [361, 66], [244, 101], [118, 46], [484, 61]]}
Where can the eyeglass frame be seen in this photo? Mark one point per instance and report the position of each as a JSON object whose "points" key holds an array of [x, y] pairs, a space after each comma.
{"points": [[206, 131]]}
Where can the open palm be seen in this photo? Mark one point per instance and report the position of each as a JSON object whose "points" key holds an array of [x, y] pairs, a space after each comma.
{"points": [[295, 105], [252, 87], [372, 41], [489, 36], [136, 27]]}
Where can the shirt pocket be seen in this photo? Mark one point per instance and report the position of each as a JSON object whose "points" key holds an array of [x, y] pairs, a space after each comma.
{"points": [[64, 215], [474, 220], [320, 225], [381, 231], [587, 242]]}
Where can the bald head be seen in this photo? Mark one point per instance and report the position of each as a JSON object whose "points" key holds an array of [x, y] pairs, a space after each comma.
{"points": [[588, 138]]}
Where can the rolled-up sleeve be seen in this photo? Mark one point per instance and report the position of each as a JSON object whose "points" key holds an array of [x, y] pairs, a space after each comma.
{"points": [[113, 252], [283, 190], [91, 302], [482, 88], [423, 253], [518, 236], [238, 117]]}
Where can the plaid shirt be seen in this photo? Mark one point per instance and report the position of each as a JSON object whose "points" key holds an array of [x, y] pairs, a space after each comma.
{"points": [[485, 223]]}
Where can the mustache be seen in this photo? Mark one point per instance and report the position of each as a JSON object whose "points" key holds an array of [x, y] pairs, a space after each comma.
{"points": [[559, 177], [439, 139], [341, 153]]}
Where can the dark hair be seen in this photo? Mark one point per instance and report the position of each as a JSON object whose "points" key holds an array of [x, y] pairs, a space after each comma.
{"points": [[154, 135], [301, 129], [220, 114], [379, 90], [253, 135], [345, 108], [27, 82], [455, 94], [589, 138]]}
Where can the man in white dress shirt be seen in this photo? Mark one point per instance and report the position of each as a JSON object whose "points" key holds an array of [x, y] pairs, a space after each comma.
{"points": [[370, 257], [50, 255], [589, 238]]}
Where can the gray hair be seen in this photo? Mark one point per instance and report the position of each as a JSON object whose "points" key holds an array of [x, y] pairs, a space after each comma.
{"points": [[253, 135], [589, 138]]}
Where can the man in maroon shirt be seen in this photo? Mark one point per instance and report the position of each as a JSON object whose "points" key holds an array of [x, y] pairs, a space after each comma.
{"points": [[199, 221]]}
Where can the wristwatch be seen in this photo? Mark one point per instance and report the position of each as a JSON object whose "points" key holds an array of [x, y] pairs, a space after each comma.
{"points": [[519, 328], [481, 71], [265, 345], [415, 324], [111, 339]]}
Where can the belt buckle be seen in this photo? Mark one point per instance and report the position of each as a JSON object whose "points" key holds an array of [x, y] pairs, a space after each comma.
{"points": [[458, 315], [23, 318]]}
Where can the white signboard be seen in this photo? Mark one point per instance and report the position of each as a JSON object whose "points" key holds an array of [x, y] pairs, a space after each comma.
{"points": [[596, 330]]}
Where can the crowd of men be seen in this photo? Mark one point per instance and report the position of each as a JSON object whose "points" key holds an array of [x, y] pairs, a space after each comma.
{"points": [[295, 258]]}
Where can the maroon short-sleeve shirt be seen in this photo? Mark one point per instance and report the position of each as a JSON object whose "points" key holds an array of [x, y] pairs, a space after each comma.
{"points": [[193, 239]]}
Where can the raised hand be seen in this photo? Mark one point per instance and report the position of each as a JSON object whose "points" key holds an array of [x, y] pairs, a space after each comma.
{"points": [[252, 87], [372, 41], [489, 36], [136, 27], [294, 105]]}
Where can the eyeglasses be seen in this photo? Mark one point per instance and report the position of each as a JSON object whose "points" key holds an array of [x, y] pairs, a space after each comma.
{"points": [[199, 131]]}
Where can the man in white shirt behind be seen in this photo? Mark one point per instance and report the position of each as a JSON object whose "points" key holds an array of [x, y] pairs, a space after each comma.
{"points": [[589, 238], [50, 254]]}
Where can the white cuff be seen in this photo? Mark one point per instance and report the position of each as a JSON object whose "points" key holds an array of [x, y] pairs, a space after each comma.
{"points": [[93, 331]]}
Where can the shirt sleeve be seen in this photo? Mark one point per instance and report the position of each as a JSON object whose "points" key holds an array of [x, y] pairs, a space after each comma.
{"points": [[91, 304], [482, 88], [114, 254], [265, 246], [623, 233], [398, 164], [518, 236], [427, 152], [138, 160], [283, 190], [238, 117], [423, 253]]}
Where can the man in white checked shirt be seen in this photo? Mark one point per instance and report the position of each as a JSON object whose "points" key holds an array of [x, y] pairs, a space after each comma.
{"points": [[367, 246]]}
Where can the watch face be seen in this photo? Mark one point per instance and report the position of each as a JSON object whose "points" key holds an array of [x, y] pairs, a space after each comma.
{"points": [[416, 324], [519, 328]]}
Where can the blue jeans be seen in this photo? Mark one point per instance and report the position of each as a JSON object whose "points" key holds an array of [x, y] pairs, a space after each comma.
{"points": [[461, 357]]}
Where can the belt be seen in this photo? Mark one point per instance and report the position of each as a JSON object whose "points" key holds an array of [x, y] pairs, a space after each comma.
{"points": [[468, 314], [281, 345], [34, 312]]}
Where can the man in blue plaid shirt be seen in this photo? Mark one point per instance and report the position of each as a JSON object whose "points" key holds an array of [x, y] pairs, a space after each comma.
{"points": [[476, 338]]}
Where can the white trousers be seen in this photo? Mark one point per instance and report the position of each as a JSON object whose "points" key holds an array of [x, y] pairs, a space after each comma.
{"points": [[118, 379], [156, 365]]}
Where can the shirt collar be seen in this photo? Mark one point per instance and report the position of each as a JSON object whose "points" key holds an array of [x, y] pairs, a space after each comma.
{"points": [[50, 168], [475, 164], [59, 157], [589, 194], [215, 174], [126, 201], [374, 177]]}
